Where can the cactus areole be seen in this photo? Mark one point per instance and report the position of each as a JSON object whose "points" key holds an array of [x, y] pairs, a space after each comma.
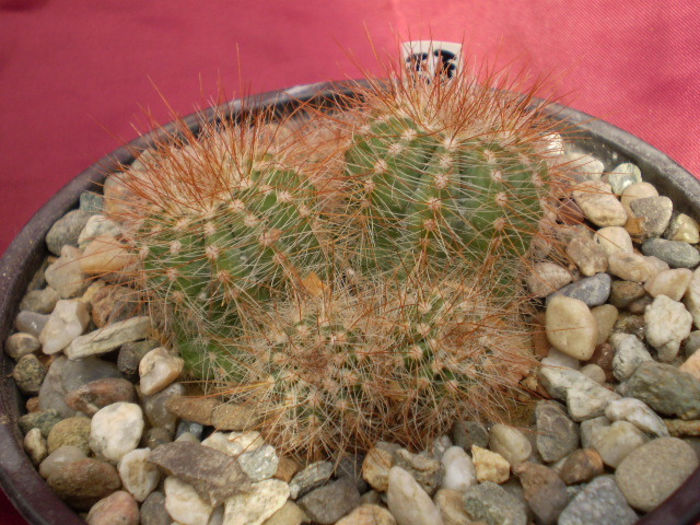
{"points": [[354, 273]]}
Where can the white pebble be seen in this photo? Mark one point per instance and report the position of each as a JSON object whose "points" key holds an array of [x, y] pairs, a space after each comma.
{"points": [[613, 443], [157, 369], [638, 413], [630, 352], [139, 476], [68, 320], [35, 446], [258, 504], [671, 283], [667, 324], [184, 504], [408, 502], [116, 430], [95, 226], [459, 473], [557, 358]]}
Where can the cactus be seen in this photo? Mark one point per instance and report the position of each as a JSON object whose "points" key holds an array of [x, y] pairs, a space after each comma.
{"points": [[446, 171], [223, 225], [377, 359], [368, 291]]}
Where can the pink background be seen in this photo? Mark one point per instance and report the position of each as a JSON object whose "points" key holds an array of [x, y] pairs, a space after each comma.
{"points": [[75, 76]]}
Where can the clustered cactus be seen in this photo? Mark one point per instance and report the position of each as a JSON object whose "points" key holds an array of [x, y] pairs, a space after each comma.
{"points": [[368, 288]]}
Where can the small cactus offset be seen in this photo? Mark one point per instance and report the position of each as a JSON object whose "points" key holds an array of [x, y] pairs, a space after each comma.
{"points": [[369, 289], [375, 360]]}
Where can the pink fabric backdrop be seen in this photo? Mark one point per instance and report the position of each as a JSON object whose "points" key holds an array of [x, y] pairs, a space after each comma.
{"points": [[75, 75]]}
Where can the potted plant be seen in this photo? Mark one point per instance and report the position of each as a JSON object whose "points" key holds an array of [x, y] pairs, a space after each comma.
{"points": [[335, 258]]}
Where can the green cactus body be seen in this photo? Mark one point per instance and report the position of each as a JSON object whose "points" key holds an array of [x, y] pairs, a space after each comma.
{"points": [[440, 196]]}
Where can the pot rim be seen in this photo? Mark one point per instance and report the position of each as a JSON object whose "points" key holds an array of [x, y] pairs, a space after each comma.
{"points": [[19, 479]]}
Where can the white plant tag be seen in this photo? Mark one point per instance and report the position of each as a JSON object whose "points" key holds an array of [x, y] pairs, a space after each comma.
{"points": [[432, 57]]}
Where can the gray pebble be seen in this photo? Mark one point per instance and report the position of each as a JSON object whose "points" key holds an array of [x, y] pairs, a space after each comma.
{"points": [[309, 478], [691, 343], [653, 214], [154, 407], [91, 202], [65, 231], [30, 322], [426, 471], [193, 428], [665, 389], [492, 504], [676, 253], [468, 433], [40, 301], [557, 435], [130, 355], [593, 291], [259, 464], [65, 376], [329, 503], [44, 420], [624, 175], [601, 502], [649, 474], [630, 352], [153, 510], [351, 467]]}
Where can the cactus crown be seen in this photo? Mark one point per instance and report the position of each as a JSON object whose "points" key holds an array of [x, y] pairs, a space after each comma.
{"points": [[367, 290]]}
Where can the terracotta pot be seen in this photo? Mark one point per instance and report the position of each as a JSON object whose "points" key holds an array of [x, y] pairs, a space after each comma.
{"points": [[18, 477]]}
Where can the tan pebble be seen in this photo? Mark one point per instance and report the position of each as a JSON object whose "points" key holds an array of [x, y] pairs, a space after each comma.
{"points": [[490, 466], [629, 266], [599, 205], [581, 466], [368, 515], [117, 508], [606, 316], [587, 255], [571, 327], [594, 372], [103, 255], [286, 468], [157, 369], [683, 427], [692, 365], [229, 416], [546, 278], [685, 229], [640, 190], [376, 465], [613, 239]]}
